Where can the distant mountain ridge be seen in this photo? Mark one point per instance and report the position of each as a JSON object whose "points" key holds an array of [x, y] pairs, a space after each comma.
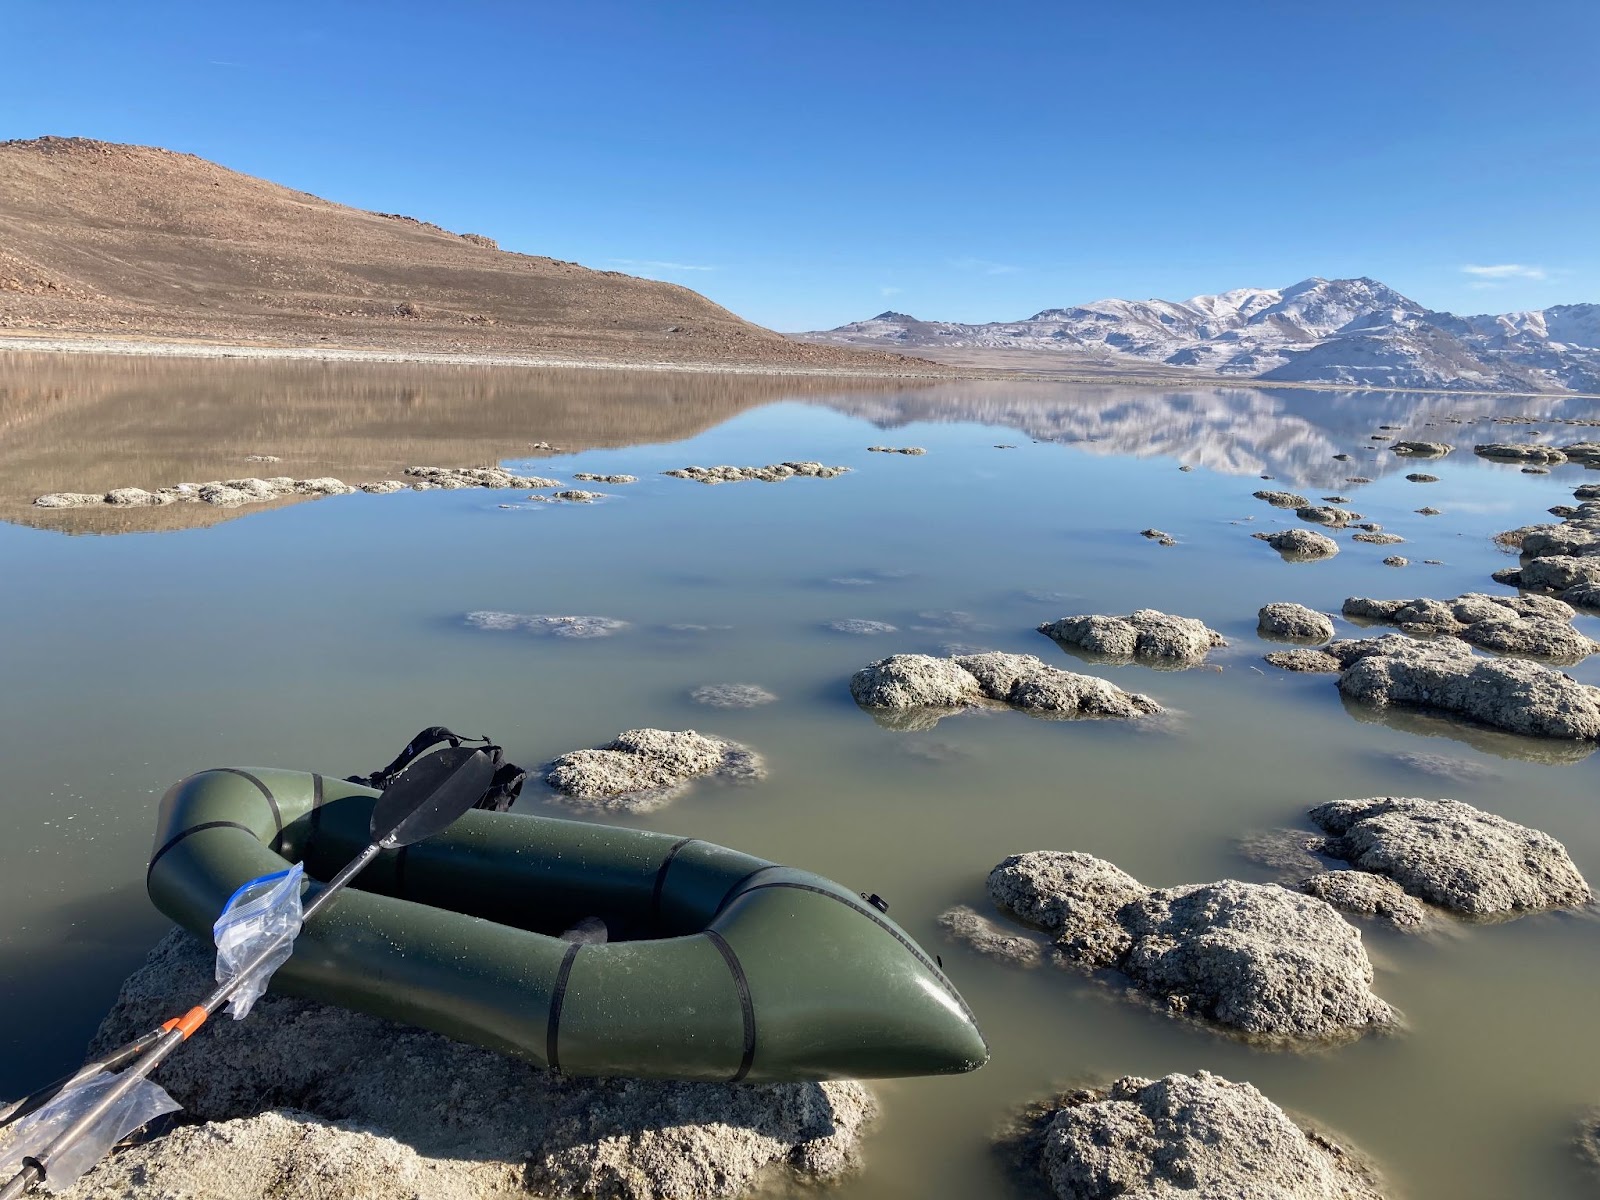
{"points": [[1356, 332]]}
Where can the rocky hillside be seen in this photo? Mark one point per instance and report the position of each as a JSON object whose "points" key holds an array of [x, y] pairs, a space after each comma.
{"points": [[135, 241], [1348, 331]]}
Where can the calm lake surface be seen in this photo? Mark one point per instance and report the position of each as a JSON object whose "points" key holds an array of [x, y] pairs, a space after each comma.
{"points": [[320, 635]]}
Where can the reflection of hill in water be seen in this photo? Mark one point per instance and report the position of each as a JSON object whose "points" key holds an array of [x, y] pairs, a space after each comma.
{"points": [[1292, 435], [82, 423]]}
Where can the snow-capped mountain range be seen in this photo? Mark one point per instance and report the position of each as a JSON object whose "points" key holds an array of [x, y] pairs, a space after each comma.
{"points": [[1356, 332]]}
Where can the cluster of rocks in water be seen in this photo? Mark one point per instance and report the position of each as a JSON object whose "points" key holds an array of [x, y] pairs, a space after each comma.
{"points": [[1562, 559], [914, 691], [1587, 453], [772, 473], [1532, 625], [642, 769], [232, 493], [307, 1101], [912, 450]]}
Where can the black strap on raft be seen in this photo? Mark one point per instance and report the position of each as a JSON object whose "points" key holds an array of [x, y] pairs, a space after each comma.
{"points": [[504, 788]]}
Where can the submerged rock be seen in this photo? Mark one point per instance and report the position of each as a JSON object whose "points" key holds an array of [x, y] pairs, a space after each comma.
{"points": [[1452, 854], [1319, 661], [1198, 1136], [926, 684], [1368, 896], [306, 1101], [1531, 625], [967, 926], [1422, 449], [732, 695], [642, 769], [1142, 634], [772, 473], [1294, 622], [1520, 452], [1256, 958], [1300, 545], [860, 626], [1282, 499], [554, 626]]}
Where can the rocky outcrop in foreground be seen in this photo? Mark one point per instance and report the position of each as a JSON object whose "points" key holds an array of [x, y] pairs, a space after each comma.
{"points": [[930, 688], [1197, 1136], [1533, 625], [1452, 854], [311, 1102], [1142, 635], [1300, 545], [772, 473], [1444, 676], [1256, 958], [642, 769]]}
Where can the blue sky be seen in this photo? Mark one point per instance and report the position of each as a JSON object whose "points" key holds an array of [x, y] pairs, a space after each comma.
{"points": [[809, 164]]}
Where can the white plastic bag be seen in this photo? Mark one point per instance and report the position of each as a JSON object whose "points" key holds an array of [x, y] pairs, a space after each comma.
{"points": [[144, 1102], [261, 912]]}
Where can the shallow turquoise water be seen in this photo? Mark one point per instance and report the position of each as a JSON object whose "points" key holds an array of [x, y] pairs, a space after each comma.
{"points": [[323, 634]]}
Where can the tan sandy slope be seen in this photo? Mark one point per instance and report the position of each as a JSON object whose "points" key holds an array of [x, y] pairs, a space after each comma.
{"points": [[97, 237]]}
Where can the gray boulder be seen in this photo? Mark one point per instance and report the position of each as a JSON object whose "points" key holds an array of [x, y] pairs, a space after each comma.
{"points": [[1282, 499], [1294, 622], [1373, 538], [1145, 634], [1326, 514], [1256, 958], [1453, 854], [925, 685], [1444, 675], [306, 1101], [642, 769], [1300, 545], [1198, 1136]]}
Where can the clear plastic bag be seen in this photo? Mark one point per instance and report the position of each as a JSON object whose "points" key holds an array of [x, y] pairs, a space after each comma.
{"points": [[263, 911], [143, 1103]]}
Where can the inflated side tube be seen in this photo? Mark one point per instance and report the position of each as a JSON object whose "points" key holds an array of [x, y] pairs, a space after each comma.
{"points": [[721, 966]]}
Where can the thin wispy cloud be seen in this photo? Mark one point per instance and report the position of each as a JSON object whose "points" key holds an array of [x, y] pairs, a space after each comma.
{"points": [[651, 264], [1506, 271], [984, 266], [889, 291]]}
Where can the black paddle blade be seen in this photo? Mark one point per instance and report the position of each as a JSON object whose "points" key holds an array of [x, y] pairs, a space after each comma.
{"points": [[430, 794]]}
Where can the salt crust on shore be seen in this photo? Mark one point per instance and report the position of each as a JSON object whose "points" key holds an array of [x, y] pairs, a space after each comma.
{"points": [[1199, 1136], [1258, 959], [306, 1101]]}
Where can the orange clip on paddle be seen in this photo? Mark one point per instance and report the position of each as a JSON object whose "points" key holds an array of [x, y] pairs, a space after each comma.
{"points": [[188, 1023]]}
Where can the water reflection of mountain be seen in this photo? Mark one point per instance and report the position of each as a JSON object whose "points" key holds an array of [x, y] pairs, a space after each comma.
{"points": [[87, 423], [1289, 434]]}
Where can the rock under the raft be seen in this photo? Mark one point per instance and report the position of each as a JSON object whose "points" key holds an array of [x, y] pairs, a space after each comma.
{"points": [[306, 1101], [642, 769], [1452, 854], [1198, 1136], [1145, 634], [1256, 958], [1300, 545], [1294, 622], [967, 926]]}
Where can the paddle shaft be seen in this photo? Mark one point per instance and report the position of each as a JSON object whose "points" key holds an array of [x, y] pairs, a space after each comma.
{"points": [[176, 1032]]}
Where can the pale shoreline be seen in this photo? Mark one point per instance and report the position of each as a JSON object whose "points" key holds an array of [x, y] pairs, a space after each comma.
{"points": [[135, 347]]}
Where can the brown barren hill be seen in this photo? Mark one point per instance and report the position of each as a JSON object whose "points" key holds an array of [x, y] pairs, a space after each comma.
{"points": [[134, 241]]}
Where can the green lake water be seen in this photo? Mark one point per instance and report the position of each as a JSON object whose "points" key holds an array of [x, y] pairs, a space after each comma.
{"points": [[322, 634]]}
